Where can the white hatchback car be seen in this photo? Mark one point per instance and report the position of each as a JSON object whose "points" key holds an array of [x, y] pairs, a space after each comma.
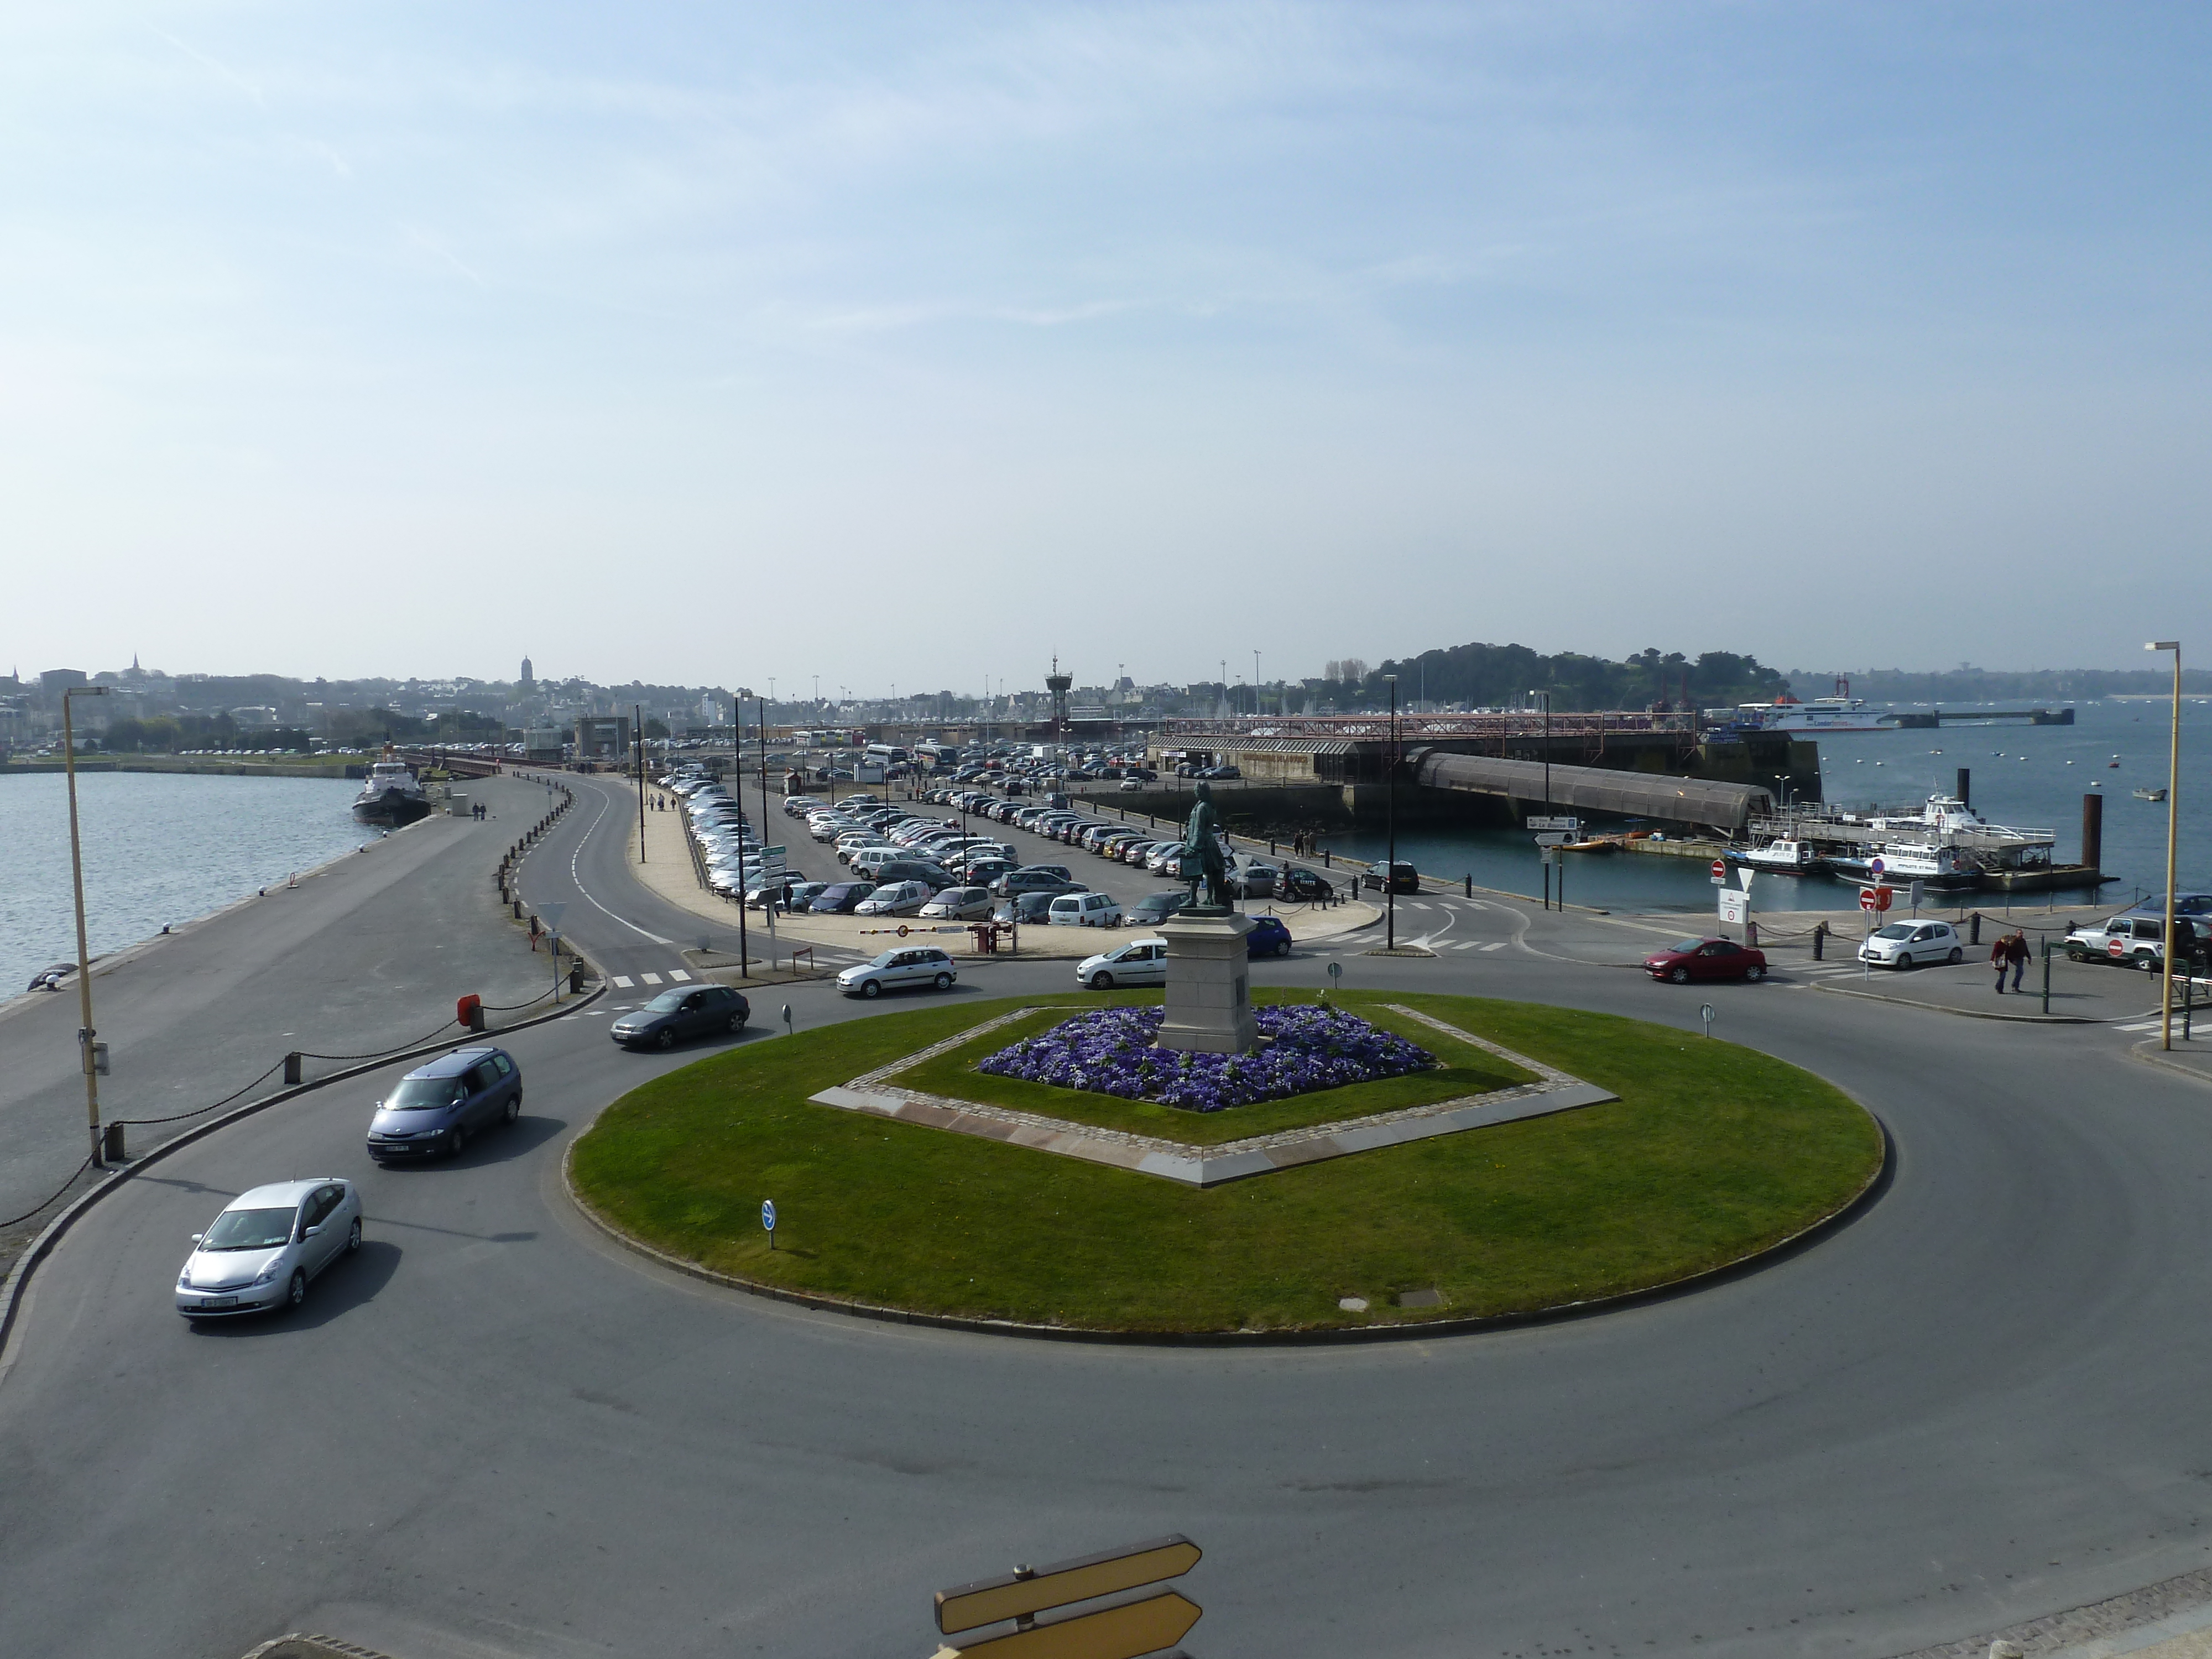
{"points": [[1905, 945], [266, 1245], [923, 964], [1140, 961], [1084, 910]]}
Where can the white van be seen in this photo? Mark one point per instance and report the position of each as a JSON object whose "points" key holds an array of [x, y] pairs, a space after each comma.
{"points": [[1084, 910]]}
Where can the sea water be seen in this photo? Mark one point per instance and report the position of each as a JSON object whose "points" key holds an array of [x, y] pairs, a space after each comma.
{"points": [[160, 849], [2029, 776]]}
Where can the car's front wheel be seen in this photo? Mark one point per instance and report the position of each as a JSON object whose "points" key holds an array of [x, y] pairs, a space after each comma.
{"points": [[296, 1293], [871, 989], [1102, 981], [1905, 961], [1680, 977], [453, 1141]]}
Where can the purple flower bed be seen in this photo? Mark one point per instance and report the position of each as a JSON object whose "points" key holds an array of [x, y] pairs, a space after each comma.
{"points": [[1110, 1052]]}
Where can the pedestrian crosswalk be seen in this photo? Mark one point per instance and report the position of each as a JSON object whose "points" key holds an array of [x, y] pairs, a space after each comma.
{"points": [[625, 981]]}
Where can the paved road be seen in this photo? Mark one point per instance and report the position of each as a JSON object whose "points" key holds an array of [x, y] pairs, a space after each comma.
{"points": [[493, 1433], [370, 951]]}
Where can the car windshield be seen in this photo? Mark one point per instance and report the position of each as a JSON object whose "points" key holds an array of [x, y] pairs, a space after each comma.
{"points": [[417, 1093], [666, 1003], [249, 1229], [1895, 930], [1686, 944], [886, 959]]}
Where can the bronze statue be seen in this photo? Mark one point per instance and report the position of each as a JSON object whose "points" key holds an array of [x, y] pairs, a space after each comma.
{"points": [[1201, 856]]}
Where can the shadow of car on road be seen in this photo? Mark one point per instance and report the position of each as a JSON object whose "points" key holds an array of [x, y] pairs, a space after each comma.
{"points": [[501, 1144], [345, 1285]]}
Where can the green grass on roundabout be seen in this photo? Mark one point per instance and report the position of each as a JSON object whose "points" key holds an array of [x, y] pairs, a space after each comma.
{"points": [[1713, 1153]]}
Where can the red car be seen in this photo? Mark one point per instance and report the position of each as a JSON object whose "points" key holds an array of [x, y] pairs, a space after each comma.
{"points": [[1705, 958]]}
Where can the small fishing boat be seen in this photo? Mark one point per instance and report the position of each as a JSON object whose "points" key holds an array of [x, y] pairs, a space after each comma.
{"points": [[1781, 858], [2150, 794]]}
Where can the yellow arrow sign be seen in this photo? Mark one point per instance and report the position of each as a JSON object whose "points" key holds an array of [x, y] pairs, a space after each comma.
{"points": [[987, 1600], [1122, 1632]]}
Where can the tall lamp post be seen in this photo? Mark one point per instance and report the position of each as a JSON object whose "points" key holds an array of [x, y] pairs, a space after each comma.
{"points": [[1547, 697], [637, 713], [1390, 809], [738, 771], [2172, 823], [84, 1035]]}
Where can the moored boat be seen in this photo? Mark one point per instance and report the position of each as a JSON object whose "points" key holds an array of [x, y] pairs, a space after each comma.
{"points": [[390, 795]]}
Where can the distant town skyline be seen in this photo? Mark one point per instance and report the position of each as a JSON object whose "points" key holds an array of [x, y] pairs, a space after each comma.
{"points": [[791, 341]]}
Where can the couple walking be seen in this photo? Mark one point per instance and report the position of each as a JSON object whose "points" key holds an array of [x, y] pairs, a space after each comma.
{"points": [[2010, 952]]}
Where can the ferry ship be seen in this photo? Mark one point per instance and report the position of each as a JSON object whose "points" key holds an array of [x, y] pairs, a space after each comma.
{"points": [[390, 795], [1840, 713]]}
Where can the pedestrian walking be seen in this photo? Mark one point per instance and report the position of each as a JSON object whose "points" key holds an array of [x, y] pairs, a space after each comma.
{"points": [[2017, 953], [2000, 959]]}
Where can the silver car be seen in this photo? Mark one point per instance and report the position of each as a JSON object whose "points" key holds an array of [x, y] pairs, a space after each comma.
{"points": [[267, 1245], [908, 966], [1140, 961]]}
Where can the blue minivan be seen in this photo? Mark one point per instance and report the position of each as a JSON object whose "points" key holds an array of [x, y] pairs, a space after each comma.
{"points": [[435, 1107]]}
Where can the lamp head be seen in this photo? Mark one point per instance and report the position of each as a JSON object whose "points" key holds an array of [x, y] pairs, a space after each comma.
{"points": [[2160, 645]]}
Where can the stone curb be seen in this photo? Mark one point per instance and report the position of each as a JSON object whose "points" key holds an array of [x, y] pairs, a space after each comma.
{"points": [[19, 1277], [302, 1645], [2150, 1054], [1972, 1013], [1331, 1336]]}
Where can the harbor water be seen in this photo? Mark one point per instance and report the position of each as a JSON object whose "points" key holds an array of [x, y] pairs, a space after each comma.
{"points": [[2027, 776], [160, 849]]}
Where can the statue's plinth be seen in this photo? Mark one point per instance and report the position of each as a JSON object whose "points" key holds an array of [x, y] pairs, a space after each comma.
{"points": [[1209, 1002]]}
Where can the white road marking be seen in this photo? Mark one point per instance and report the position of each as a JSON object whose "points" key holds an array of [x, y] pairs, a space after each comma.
{"points": [[1497, 944], [620, 982], [677, 974], [576, 876], [650, 979], [2140, 1025]]}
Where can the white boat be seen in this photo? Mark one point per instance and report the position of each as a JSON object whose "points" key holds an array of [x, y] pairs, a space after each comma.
{"points": [[1787, 713], [1782, 858], [1945, 844], [391, 794]]}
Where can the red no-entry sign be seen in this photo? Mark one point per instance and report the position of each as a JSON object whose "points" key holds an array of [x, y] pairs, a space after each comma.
{"points": [[1720, 873], [1874, 898]]}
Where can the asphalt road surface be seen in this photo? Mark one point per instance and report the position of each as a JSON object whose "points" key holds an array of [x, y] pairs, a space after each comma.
{"points": [[492, 1432]]}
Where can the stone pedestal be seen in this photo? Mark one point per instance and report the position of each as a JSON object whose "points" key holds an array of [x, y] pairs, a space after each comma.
{"points": [[1209, 1001]]}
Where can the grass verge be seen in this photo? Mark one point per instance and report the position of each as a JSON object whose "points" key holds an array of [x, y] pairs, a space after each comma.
{"points": [[1713, 1152]]}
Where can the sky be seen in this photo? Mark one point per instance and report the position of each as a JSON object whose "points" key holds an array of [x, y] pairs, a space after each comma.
{"points": [[912, 344]]}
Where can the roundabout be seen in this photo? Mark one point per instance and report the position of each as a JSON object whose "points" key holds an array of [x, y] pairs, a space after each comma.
{"points": [[1972, 1405], [1687, 1156]]}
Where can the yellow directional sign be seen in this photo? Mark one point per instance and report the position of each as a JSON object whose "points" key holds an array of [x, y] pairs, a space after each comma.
{"points": [[1021, 1594], [1121, 1632]]}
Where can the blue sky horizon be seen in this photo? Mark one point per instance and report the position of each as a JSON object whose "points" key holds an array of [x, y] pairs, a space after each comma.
{"points": [[914, 344]]}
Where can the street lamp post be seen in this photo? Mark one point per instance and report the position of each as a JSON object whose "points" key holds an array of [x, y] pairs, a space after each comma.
{"points": [[1390, 810], [2173, 824], [85, 1033], [738, 771], [1547, 697]]}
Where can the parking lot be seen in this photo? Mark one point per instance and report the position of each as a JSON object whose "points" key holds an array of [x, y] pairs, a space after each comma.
{"points": [[671, 868]]}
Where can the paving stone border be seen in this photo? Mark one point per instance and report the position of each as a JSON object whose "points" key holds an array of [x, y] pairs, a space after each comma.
{"points": [[879, 1093]]}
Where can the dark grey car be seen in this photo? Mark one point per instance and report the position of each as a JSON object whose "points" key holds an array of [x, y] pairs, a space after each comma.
{"points": [[437, 1107]]}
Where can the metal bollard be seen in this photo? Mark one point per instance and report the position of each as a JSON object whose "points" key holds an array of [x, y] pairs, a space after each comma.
{"points": [[1974, 924], [1819, 940], [111, 1144], [1470, 885], [292, 1069]]}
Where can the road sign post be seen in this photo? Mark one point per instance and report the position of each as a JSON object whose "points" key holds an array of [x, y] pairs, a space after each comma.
{"points": [[768, 1219], [1124, 1630], [1706, 1013]]}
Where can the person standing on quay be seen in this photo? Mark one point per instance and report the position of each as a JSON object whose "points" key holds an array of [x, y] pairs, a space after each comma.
{"points": [[2000, 959]]}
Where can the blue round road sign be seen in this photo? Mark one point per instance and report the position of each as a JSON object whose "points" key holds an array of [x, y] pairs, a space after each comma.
{"points": [[767, 1213]]}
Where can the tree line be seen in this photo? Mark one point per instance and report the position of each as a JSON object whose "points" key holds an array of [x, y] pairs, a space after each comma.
{"points": [[1504, 676]]}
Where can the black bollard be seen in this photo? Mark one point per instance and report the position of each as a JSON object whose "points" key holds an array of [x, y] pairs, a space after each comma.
{"points": [[1819, 940], [1974, 922]]}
